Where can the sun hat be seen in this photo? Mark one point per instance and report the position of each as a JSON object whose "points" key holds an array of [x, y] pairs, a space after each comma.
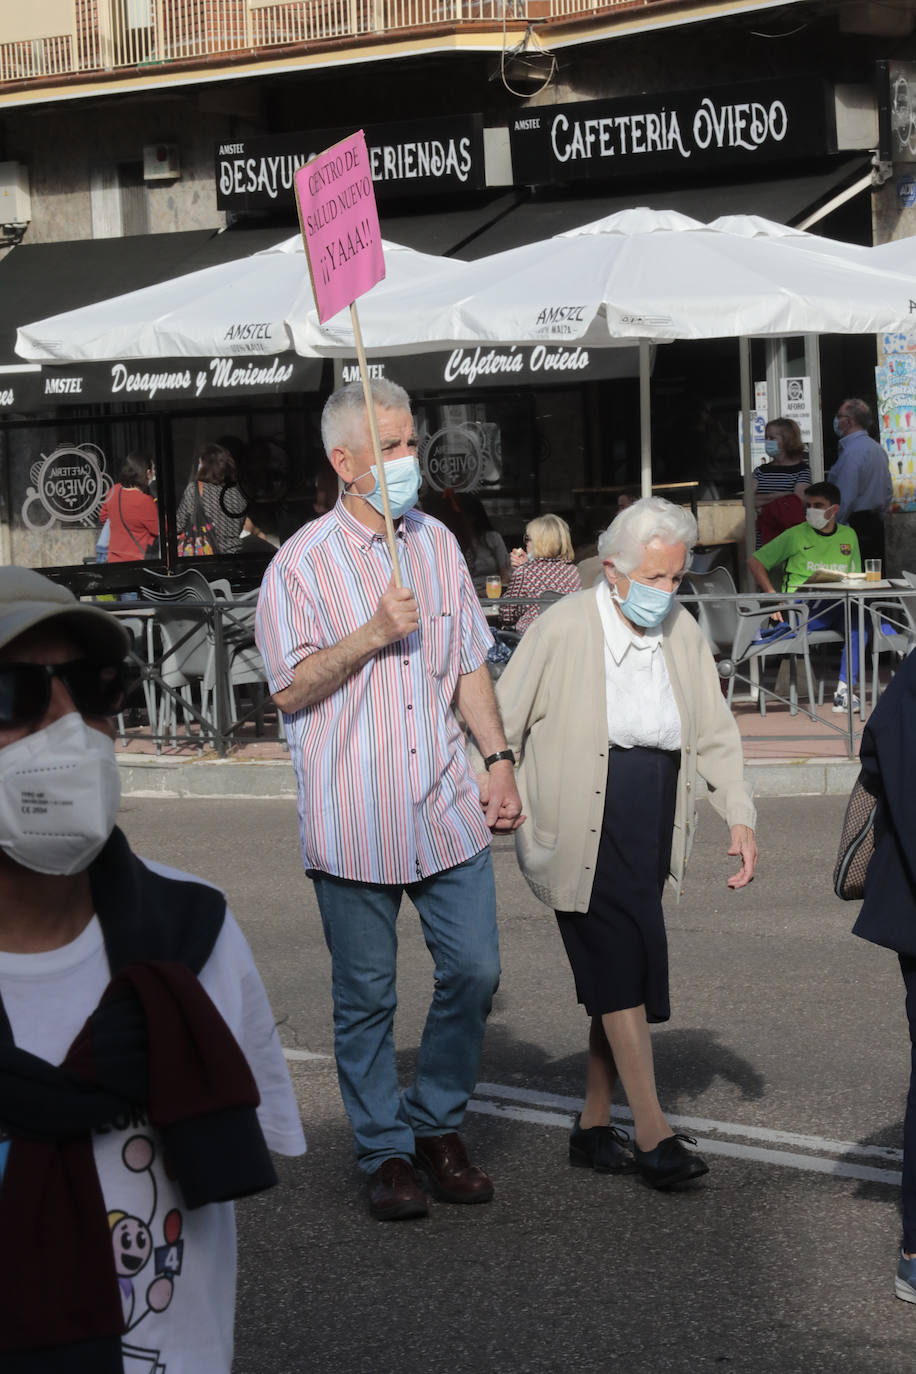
{"points": [[28, 599]]}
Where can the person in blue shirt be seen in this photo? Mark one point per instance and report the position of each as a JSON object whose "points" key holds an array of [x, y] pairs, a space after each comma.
{"points": [[863, 475]]}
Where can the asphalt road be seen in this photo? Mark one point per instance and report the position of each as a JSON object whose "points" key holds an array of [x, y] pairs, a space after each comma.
{"points": [[787, 1044]]}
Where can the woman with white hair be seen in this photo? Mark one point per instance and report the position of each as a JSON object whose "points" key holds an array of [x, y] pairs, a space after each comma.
{"points": [[612, 705]]}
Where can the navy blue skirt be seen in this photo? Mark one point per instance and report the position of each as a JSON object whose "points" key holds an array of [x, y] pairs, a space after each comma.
{"points": [[618, 949]]}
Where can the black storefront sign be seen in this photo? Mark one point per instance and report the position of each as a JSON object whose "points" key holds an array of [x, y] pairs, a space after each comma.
{"points": [[20, 389], [158, 379], [407, 159], [725, 127], [496, 365]]}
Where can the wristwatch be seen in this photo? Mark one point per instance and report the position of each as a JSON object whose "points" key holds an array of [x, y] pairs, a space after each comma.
{"points": [[495, 758]]}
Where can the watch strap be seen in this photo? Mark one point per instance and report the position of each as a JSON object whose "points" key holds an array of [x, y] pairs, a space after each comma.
{"points": [[506, 754]]}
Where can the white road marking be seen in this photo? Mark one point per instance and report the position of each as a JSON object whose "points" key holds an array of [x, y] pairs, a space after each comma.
{"points": [[819, 1162], [304, 1054]]}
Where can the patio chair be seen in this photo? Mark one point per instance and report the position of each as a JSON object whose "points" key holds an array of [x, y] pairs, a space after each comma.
{"points": [[736, 629], [137, 628], [893, 631], [191, 648], [187, 644]]}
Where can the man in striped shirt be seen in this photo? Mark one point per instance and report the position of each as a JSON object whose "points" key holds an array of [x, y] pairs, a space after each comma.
{"points": [[366, 674]]}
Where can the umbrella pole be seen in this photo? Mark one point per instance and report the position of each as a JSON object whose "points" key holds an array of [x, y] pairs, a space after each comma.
{"points": [[376, 446], [813, 369], [750, 515], [645, 420]]}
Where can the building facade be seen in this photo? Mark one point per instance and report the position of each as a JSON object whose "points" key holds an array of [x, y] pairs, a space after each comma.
{"points": [[142, 139]]}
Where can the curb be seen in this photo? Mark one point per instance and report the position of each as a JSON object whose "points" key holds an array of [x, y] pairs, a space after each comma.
{"points": [[232, 779], [273, 779]]}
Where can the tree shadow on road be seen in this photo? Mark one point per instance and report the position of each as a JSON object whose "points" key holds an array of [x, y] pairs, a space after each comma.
{"points": [[688, 1061]]}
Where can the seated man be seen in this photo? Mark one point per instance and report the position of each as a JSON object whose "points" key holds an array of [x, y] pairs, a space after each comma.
{"points": [[129, 1005], [819, 544]]}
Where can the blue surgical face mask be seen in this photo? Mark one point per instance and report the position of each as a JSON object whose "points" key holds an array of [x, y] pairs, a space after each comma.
{"points": [[402, 477], [644, 605], [836, 427], [771, 448]]}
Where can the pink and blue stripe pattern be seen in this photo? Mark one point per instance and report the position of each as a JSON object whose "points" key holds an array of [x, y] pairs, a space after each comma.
{"points": [[385, 794]]}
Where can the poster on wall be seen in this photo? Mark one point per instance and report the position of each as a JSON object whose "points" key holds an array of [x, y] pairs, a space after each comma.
{"points": [[896, 387], [795, 404]]}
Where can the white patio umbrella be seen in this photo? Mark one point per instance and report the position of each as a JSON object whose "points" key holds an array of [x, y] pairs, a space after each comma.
{"points": [[248, 306], [639, 275], [755, 226]]}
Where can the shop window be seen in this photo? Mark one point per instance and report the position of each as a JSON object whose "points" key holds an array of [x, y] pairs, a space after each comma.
{"points": [[56, 478]]}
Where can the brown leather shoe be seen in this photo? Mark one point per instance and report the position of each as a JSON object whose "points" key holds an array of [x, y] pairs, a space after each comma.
{"points": [[452, 1175], [396, 1193]]}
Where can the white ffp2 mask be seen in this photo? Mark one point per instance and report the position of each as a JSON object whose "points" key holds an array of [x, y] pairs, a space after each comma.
{"points": [[60, 790]]}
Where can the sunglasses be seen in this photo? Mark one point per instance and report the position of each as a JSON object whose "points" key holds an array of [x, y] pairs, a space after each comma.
{"points": [[96, 689]]}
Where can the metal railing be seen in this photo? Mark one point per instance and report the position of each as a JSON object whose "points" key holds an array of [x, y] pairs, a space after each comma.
{"points": [[72, 37], [188, 691], [200, 711]]}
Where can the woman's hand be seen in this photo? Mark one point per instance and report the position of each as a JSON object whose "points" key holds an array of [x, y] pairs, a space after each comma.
{"points": [[518, 558], [499, 798], [743, 844]]}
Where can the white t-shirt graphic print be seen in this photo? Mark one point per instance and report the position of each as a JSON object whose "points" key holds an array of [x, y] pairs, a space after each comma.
{"points": [[176, 1269]]}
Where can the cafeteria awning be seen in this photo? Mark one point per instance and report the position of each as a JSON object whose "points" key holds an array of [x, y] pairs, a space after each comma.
{"points": [[53, 277]]}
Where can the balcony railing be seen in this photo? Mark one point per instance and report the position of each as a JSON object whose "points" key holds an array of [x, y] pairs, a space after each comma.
{"points": [[53, 38]]}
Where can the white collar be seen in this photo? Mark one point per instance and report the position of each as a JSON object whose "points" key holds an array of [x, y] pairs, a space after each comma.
{"points": [[618, 636]]}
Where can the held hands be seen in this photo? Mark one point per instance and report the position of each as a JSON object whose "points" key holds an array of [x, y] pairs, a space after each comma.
{"points": [[743, 844], [499, 798], [396, 615]]}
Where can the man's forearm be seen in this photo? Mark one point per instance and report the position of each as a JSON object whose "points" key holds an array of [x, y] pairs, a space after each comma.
{"points": [[324, 671], [759, 574], [475, 700]]}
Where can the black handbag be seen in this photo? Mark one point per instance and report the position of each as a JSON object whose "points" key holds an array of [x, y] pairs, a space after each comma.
{"points": [[857, 843]]}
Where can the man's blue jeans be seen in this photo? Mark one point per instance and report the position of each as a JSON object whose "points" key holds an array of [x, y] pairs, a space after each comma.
{"points": [[458, 914], [826, 615]]}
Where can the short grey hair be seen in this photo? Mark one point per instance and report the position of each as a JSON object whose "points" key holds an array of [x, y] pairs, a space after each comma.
{"points": [[344, 413], [637, 525], [859, 411]]}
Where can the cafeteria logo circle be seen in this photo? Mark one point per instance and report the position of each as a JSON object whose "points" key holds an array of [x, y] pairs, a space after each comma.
{"points": [[68, 486], [453, 457]]}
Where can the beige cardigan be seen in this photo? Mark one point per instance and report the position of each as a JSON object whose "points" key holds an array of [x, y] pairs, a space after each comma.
{"points": [[552, 698]]}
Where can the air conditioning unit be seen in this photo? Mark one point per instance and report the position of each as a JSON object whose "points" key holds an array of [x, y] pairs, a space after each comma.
{"points": [[161, 162], [15, 202]]}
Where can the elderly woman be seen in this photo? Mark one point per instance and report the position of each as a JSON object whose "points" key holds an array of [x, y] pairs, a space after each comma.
{"points": [[613, 706], [545, 565]]}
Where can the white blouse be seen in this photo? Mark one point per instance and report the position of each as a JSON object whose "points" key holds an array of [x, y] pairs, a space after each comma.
{"points": [[641, 709]]}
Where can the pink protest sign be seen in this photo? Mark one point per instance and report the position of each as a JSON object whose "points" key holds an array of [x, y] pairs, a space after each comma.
{"points": [[339, 219]]}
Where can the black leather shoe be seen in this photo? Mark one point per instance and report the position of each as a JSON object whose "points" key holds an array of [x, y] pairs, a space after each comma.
{"points": [[396, 1192], [670, 1164], [602, 1148]]}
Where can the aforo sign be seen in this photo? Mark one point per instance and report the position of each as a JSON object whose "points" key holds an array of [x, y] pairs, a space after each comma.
{"points": [[405, 159], [720, 127]]}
